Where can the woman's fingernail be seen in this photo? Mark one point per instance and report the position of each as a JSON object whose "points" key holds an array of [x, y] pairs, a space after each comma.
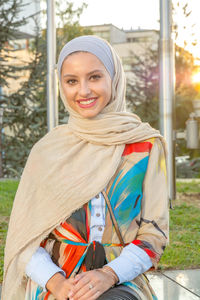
{"points": [[70, 294]]}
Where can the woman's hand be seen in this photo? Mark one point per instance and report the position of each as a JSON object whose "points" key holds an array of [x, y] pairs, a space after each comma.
{"points": [[90, 285], [59, 286]]}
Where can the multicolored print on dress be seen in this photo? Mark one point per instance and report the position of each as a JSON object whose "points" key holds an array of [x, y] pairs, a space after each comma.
{"points": [[138, 196]]}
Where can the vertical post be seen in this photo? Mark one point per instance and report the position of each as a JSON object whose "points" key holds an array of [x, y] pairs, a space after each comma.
{"points": [[167, 81], [52, 101]]}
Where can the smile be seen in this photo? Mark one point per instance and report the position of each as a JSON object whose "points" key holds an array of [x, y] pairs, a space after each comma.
{"points": [[86, 103]]}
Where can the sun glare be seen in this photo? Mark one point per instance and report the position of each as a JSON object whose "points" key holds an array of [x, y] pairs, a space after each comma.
{"points": [[196, 78]]}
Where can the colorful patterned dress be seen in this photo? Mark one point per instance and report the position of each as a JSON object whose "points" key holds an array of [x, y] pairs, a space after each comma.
{"points": [[138, 196]]}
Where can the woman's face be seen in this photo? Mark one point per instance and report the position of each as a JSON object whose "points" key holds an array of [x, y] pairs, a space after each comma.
{"points": [[86, 84]]}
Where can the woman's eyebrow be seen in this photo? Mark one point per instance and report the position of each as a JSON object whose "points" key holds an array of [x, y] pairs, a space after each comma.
{"points": [[94, 71], [73, 75], [69, 75]]}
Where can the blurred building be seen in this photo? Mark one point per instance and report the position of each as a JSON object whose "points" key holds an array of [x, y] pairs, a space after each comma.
{"points": [[19, 56], [127, 43]]}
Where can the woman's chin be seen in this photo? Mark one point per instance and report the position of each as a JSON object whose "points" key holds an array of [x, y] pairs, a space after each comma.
{"points": [[88, 113]]}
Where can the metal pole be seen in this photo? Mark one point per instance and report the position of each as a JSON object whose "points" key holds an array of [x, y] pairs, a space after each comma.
{"points": [[167, 81], [52, 99]]}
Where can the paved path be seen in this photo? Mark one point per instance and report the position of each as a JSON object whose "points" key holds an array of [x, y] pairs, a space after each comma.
{"points": [[166, 289]]}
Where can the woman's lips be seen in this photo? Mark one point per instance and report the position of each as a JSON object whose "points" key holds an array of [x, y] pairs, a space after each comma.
{"points": [[87, 103]]}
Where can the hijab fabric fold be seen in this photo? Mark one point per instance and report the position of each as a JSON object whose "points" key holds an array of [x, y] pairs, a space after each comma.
{"points": [[65, 169]]}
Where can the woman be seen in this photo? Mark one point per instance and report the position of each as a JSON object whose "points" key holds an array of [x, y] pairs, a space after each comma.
{"points": [[61, 240]]}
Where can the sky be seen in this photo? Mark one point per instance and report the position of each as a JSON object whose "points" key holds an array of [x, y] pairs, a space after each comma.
{"points": [[123, 14], [143, 14]]}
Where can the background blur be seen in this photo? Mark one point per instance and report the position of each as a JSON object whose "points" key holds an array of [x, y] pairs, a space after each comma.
{"points": [[132, 27]]}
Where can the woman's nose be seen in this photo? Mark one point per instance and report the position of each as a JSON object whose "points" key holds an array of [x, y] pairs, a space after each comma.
{"points": [[84, 89]]}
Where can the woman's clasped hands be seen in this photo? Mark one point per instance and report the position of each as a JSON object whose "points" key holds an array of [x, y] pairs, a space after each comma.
{"points": [[87, 285], [90, 285]]}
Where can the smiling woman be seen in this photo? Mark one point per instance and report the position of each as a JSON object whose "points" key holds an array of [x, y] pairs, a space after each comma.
{"points": [[86, 83], [67, 243]]}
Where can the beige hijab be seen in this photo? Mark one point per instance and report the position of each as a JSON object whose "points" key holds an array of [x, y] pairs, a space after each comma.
{"points": [[65, 169]]}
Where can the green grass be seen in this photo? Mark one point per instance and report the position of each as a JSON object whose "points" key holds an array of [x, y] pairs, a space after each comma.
{"points": [[7, 192], [183, 250], [188, 187]]}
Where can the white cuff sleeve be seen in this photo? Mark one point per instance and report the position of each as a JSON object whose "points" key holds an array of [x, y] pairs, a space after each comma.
{"points": [[41, 268], [132, 262]]}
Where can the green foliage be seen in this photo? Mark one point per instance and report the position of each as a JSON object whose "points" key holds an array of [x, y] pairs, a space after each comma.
{"points": [[25, 113], [7, 193], [183, 21], [68, 25], [3, 230], [185, 89], [142, 89], [9, 23]]}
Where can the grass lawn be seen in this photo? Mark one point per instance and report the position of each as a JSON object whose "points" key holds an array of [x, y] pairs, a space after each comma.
{"points": [[7, 193], [183, 252], [184, 249]]}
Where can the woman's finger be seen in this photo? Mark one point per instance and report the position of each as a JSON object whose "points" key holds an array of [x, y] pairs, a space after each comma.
{"points": [[90, 284], [80, 286], [79, 276], [89, 291]]}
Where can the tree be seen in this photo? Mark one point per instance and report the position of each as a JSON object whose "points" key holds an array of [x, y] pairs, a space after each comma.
{"points": [[142, 89], [9, 23], [184, 60], [26, 115], [183, 25], [185, 89]]}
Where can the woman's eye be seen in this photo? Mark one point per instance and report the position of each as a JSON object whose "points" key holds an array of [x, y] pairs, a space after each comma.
{"points": [[95, 77], [71, 81]]}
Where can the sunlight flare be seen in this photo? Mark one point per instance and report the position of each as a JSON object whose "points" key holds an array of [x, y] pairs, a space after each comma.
{"points": [[196, 78]]}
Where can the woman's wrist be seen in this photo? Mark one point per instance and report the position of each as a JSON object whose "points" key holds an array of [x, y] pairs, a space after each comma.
{"points": [[54, 283], [108, 270]]}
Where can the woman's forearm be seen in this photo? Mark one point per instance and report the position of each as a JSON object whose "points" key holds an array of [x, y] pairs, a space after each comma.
{"points": [[41, 268], [132, 262]]}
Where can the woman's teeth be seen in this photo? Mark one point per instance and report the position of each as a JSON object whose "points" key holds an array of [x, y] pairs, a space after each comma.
{"points": [[87, 102]]}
